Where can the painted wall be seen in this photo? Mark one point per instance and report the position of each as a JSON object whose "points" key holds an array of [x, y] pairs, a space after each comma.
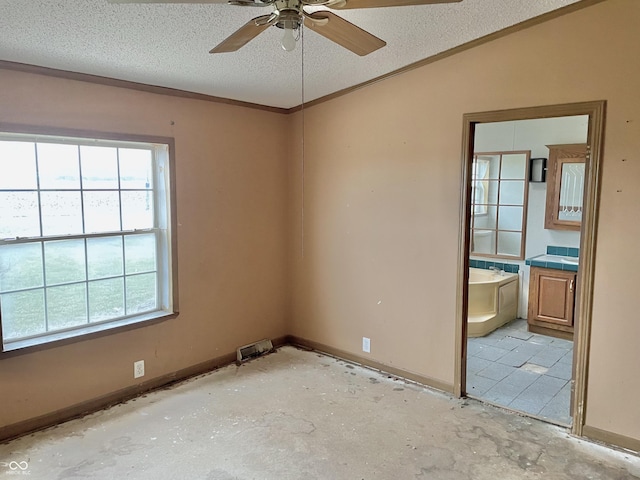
{"points": [[534, 135], [382, 200], [232, 224]]}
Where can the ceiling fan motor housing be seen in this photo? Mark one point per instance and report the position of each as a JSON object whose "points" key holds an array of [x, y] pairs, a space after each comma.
{"points": [[288, 18]]}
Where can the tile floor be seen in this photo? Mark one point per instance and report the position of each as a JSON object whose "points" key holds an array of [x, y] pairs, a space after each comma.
{"points": [[523, 371]]}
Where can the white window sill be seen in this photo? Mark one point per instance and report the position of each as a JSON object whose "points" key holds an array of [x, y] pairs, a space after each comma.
{"points": [[54, 337]]}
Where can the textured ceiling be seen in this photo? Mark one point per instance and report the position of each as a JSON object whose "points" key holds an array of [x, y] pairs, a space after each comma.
{"points": [[168, 45]]}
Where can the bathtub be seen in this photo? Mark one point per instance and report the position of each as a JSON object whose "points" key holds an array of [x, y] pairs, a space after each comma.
{"points": [[493, 300]]}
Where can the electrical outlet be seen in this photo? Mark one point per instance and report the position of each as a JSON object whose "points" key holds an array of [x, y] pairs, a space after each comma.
{"points": [[138, 369], [366, 344]]}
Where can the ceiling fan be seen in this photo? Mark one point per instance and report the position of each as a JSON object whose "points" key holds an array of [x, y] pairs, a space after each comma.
{"points": [[289, 15]]}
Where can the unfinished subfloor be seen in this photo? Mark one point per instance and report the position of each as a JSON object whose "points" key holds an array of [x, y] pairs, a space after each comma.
{"points": [[296, 414]]}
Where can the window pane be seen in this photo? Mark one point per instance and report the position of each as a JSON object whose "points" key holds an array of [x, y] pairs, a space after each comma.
{"points": [[140, 253], [64, 261], [18, 165], [137, 210], [19, 215], [135, 168], [509, 243], [514, 166], [61, 213], [494, 166], [58, 166], [101, 212], [479, 168], [106, 299], [22, 314], [488, 219], [67, 306], [479, 210], [492, 194], [104, 256], [510, 218], [484, 241], [479, 194], [20, 266], [99, 167], [141, 293], [512, 192]]}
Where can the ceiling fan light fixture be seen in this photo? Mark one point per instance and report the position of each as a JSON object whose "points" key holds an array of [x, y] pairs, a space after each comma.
{"points": [[288, 41], [289, 21]]}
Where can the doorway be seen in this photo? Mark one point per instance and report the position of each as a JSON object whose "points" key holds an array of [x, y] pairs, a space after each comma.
{"points": [[520, 335]]}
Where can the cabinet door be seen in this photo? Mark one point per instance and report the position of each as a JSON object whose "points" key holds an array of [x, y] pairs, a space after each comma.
{"points": [[551, 298], [565, 186]]}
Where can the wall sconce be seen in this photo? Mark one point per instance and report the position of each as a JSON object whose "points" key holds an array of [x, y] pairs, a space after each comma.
{"points": [[537, 169]]}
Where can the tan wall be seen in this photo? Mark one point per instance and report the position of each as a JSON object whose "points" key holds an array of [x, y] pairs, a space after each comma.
{"points": [[381, 204], [231, 169]]}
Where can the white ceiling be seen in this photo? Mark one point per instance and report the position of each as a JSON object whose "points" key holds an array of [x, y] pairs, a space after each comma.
{"points": [[168, 45]]}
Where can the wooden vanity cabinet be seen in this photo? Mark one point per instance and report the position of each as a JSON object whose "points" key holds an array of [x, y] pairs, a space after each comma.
{"points": [[551, 302]]}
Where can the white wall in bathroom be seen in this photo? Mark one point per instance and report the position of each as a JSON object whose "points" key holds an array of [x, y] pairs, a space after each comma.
{"points": [[534, 135]]}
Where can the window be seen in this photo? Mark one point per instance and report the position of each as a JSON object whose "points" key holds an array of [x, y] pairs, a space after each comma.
{"points": [[479, 185], [85, 236], [499, 184]]}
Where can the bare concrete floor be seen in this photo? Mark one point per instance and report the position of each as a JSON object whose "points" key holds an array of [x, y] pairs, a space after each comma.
{"points": [[300, 415]]}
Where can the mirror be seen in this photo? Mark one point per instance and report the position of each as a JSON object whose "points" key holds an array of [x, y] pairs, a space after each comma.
{"points": [[499, 200], [571, 190], [565, 186]]}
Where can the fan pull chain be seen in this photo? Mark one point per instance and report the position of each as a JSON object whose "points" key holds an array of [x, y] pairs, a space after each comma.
{"points": [[302, 130]]}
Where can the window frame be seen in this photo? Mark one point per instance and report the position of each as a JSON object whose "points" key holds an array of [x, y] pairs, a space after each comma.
{"points": [[497, 181], [167, 243]]}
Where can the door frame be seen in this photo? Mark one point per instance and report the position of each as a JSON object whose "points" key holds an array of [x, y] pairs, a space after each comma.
{"points": [[584, 291]]}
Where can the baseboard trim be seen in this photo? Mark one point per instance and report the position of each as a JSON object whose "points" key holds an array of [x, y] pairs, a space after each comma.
{"points": [[550, 332], [611, 439], [18, 429], [344, 355]]}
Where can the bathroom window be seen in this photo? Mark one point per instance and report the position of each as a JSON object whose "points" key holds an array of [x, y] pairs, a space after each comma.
{"points": [[85, 236], [499, 185], [479, 185]]}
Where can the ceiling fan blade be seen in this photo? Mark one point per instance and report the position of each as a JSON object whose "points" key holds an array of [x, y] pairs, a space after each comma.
{"points": [[345, 4], [167, 1], [243, 35], [344, 33]]}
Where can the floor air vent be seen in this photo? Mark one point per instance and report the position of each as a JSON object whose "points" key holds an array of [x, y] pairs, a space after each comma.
{"points": [[254, 350]]}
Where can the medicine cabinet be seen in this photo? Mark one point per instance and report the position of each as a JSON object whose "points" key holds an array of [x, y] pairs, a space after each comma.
{"points": [[565, 186]]}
